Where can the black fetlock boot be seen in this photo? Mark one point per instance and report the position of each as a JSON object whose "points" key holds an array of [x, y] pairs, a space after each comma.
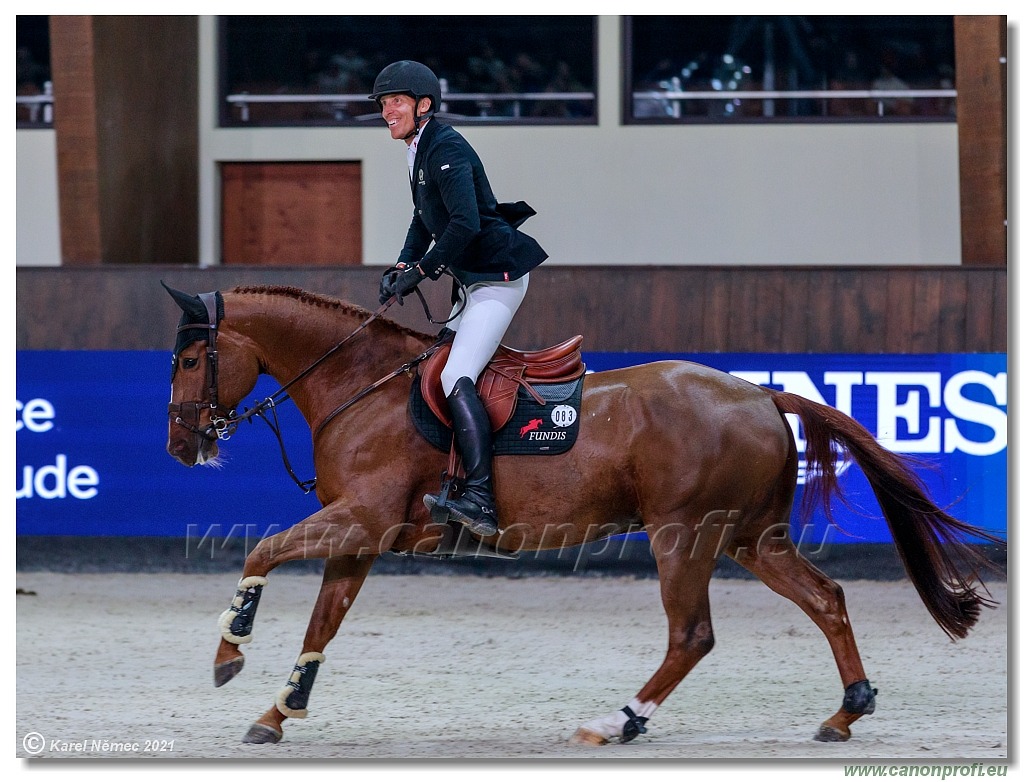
{"points": [[472, 427]]}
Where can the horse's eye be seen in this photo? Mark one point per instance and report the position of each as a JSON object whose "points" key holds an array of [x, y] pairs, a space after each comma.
{"points": [[190, 363]]}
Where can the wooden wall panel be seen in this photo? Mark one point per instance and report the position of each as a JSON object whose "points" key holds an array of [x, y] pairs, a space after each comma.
{"points": [[978, 302], [655, 309], [147, 72], [75, 126], [715, 285], [952, 314], [899, 308], [998, 310], [292, 213], [924, 336], [820, 306], [981, 122], [126, 122], [793, 318], [861, 299]]}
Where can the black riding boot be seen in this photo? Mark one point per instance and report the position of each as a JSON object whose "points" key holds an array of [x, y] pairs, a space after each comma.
{"points": [[472, 427]]}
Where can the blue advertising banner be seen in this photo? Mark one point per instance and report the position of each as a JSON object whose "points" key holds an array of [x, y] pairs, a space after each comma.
{"points": [[91, 432], [91, 429], [946, 411]]}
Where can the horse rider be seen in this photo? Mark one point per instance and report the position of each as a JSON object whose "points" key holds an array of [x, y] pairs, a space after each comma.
{"points": [[459, 227]]}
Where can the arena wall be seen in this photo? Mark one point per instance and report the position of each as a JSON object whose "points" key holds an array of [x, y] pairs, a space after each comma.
{"points": [[954, 309]]}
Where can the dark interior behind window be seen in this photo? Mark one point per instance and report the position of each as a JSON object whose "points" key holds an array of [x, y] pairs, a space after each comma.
{"points": [[489, 59], [33, 46], [733, 56]]}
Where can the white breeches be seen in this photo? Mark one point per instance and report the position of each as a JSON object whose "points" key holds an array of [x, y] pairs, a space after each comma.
{"points": [[480, 327]]}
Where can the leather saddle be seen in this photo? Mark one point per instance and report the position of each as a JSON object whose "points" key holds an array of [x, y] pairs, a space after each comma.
{"points": [[501, 380]]}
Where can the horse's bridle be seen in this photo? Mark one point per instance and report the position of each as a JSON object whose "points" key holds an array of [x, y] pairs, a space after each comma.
{"points": [[224, 423], [188, 414]]}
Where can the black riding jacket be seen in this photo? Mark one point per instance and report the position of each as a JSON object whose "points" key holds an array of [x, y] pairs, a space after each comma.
{"points": [[455, 210]]}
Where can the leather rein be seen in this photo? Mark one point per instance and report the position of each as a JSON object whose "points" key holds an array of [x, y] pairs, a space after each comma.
{"points": [[223, 424]]}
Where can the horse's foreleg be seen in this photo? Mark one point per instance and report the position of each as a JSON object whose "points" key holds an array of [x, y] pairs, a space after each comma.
{"points": [[684, 594], [236, 628], [330, 532], [342, 579]]}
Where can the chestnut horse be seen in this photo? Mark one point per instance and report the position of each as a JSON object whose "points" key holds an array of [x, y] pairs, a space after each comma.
{"points": [[702, 461]]}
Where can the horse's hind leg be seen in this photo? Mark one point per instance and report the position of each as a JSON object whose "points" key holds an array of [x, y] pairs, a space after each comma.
{"points": [[684, 575], [775, 560], [342, 579]]}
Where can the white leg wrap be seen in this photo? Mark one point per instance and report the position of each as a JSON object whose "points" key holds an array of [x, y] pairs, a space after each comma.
{"points": [[236, 605], [295, 685], [610, 726]]}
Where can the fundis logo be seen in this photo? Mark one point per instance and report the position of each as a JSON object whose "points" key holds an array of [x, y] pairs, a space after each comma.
{"points": [[562, 416], [533, 425], [533, 432]]}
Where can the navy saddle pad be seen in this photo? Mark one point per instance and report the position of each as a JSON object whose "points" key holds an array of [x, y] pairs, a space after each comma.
{"points": [[533, 430]]}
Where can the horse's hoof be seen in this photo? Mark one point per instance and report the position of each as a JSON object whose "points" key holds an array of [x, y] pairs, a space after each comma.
{"points": [[262, 734], [830, 733], [225, 672], [587, 738]]}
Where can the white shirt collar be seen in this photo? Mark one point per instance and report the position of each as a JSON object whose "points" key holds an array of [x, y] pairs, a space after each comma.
{"points": [[411, 150]]}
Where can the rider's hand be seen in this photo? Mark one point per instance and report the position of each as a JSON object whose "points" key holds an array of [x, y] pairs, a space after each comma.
{"points": [[402, 281], [386, 280]]}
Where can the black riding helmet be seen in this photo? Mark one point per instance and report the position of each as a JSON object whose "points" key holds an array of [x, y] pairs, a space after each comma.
{"points": [[411, 78]]}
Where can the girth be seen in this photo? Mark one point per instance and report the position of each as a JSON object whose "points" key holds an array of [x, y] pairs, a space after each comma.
{"points": [[500, 381]]}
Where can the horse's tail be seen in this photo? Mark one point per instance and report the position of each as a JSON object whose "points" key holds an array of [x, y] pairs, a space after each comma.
{"points": [[940, 563]]}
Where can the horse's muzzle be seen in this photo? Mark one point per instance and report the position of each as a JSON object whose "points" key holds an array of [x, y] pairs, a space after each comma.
{"points": [[189, 444], [191, 450]]}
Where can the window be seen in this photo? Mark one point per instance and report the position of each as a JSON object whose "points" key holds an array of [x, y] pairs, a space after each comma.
{"points": [[35, 91], [816, 68], [317, 70]]}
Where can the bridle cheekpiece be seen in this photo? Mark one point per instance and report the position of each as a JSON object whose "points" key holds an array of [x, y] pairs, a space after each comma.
{"points": [[188, 414]]}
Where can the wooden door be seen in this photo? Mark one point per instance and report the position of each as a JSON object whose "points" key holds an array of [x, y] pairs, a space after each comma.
{"points": [[292, 214]]}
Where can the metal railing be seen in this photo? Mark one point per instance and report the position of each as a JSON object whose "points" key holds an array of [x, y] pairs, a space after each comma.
{"points": [[40, 107], [340, 103], [672, 99]]}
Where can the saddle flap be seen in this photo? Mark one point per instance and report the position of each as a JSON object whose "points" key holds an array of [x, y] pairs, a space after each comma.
{"points": [[430, 384]]}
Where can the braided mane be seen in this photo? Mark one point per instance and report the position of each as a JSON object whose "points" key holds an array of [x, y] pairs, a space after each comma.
{"points": [[324, 301]]}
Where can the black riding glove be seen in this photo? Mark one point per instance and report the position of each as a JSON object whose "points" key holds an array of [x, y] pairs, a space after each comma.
{"points": [[386, 280], [400, 282]]}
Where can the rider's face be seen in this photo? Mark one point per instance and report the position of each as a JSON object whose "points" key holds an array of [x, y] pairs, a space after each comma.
{"points": [[398, 112]]}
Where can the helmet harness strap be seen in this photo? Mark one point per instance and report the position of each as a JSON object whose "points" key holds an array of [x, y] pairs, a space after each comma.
{"points": [[416, 117]]}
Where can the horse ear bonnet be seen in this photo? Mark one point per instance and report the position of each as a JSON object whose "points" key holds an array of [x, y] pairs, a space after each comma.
{"points": [[192, 311]]}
